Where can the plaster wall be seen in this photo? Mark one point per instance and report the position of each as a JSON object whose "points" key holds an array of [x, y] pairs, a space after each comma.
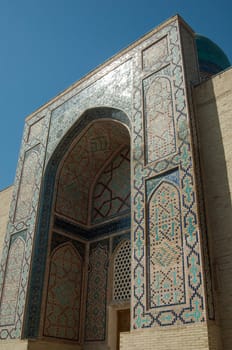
{"points": [[5, 199], [213, 111]]}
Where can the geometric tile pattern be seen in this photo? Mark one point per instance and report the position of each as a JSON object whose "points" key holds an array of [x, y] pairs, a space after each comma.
{"points": [[22, 217], [154, 54], [12, 282], [36, 130], [122, 272], [158, 110], [112, 191], [121, 85], [26, 186], [165, 247], [193, 309], [111, 87], [82, 164], [95, 323], [32, 321], [64, 294]]}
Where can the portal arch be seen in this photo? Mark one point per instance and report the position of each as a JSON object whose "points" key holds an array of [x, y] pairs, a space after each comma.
{"points": [[94, 154]]}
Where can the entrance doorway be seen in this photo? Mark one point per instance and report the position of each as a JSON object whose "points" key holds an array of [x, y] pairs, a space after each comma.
{"points": [[123, 323]]}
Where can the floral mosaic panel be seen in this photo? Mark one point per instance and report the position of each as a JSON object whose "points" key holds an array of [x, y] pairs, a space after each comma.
{"points": [[165, 245], [112, 190], [64, 294], [9, 300], [95, 323]]}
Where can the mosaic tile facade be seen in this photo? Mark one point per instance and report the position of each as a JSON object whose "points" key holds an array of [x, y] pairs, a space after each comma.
{"points": [[155, 54], [27, 184], [42, 234], [95, 323], [123, 85], [35, 130], [116, 240], [193, 309], [111, 194], [111, 87], [12, 281], [166, 277], [64, 294], [158, 111], [24, 227]]}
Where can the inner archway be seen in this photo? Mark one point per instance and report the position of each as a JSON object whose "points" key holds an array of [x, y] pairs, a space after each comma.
{"points": [[89, 185]]}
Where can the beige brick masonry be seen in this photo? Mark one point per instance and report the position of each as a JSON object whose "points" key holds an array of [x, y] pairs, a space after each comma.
{"points": [[191, 337], [214, 119]]}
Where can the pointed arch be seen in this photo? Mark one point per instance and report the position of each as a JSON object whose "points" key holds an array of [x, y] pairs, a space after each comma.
{"points": [[165, 245], [54, 159], [63, 304]]}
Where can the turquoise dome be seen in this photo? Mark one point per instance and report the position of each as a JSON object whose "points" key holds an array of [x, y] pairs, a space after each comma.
{"points": [[211, 58]]}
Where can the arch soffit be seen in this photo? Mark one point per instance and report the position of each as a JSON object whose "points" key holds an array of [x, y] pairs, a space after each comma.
{"points": [[94, 118]]}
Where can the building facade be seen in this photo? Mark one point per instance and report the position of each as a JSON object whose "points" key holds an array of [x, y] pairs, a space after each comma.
{"points": [[120, 215]]}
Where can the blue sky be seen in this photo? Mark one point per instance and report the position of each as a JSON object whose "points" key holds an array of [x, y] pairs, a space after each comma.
{"points": [[46, 45]]}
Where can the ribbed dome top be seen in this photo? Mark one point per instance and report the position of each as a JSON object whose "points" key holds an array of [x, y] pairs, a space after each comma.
{"points": [[211, 58]]}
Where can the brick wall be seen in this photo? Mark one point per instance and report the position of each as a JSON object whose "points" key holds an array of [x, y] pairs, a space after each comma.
{"points": [[192, 337], [214, 118]]}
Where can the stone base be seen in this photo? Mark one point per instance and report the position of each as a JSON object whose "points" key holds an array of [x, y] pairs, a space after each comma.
{"points": [[13, 344], [191, 337], [36, 345], [18, 344]]}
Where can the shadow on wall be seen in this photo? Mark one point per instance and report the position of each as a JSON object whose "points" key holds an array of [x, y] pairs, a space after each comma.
{"points": [[213, 118]]}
